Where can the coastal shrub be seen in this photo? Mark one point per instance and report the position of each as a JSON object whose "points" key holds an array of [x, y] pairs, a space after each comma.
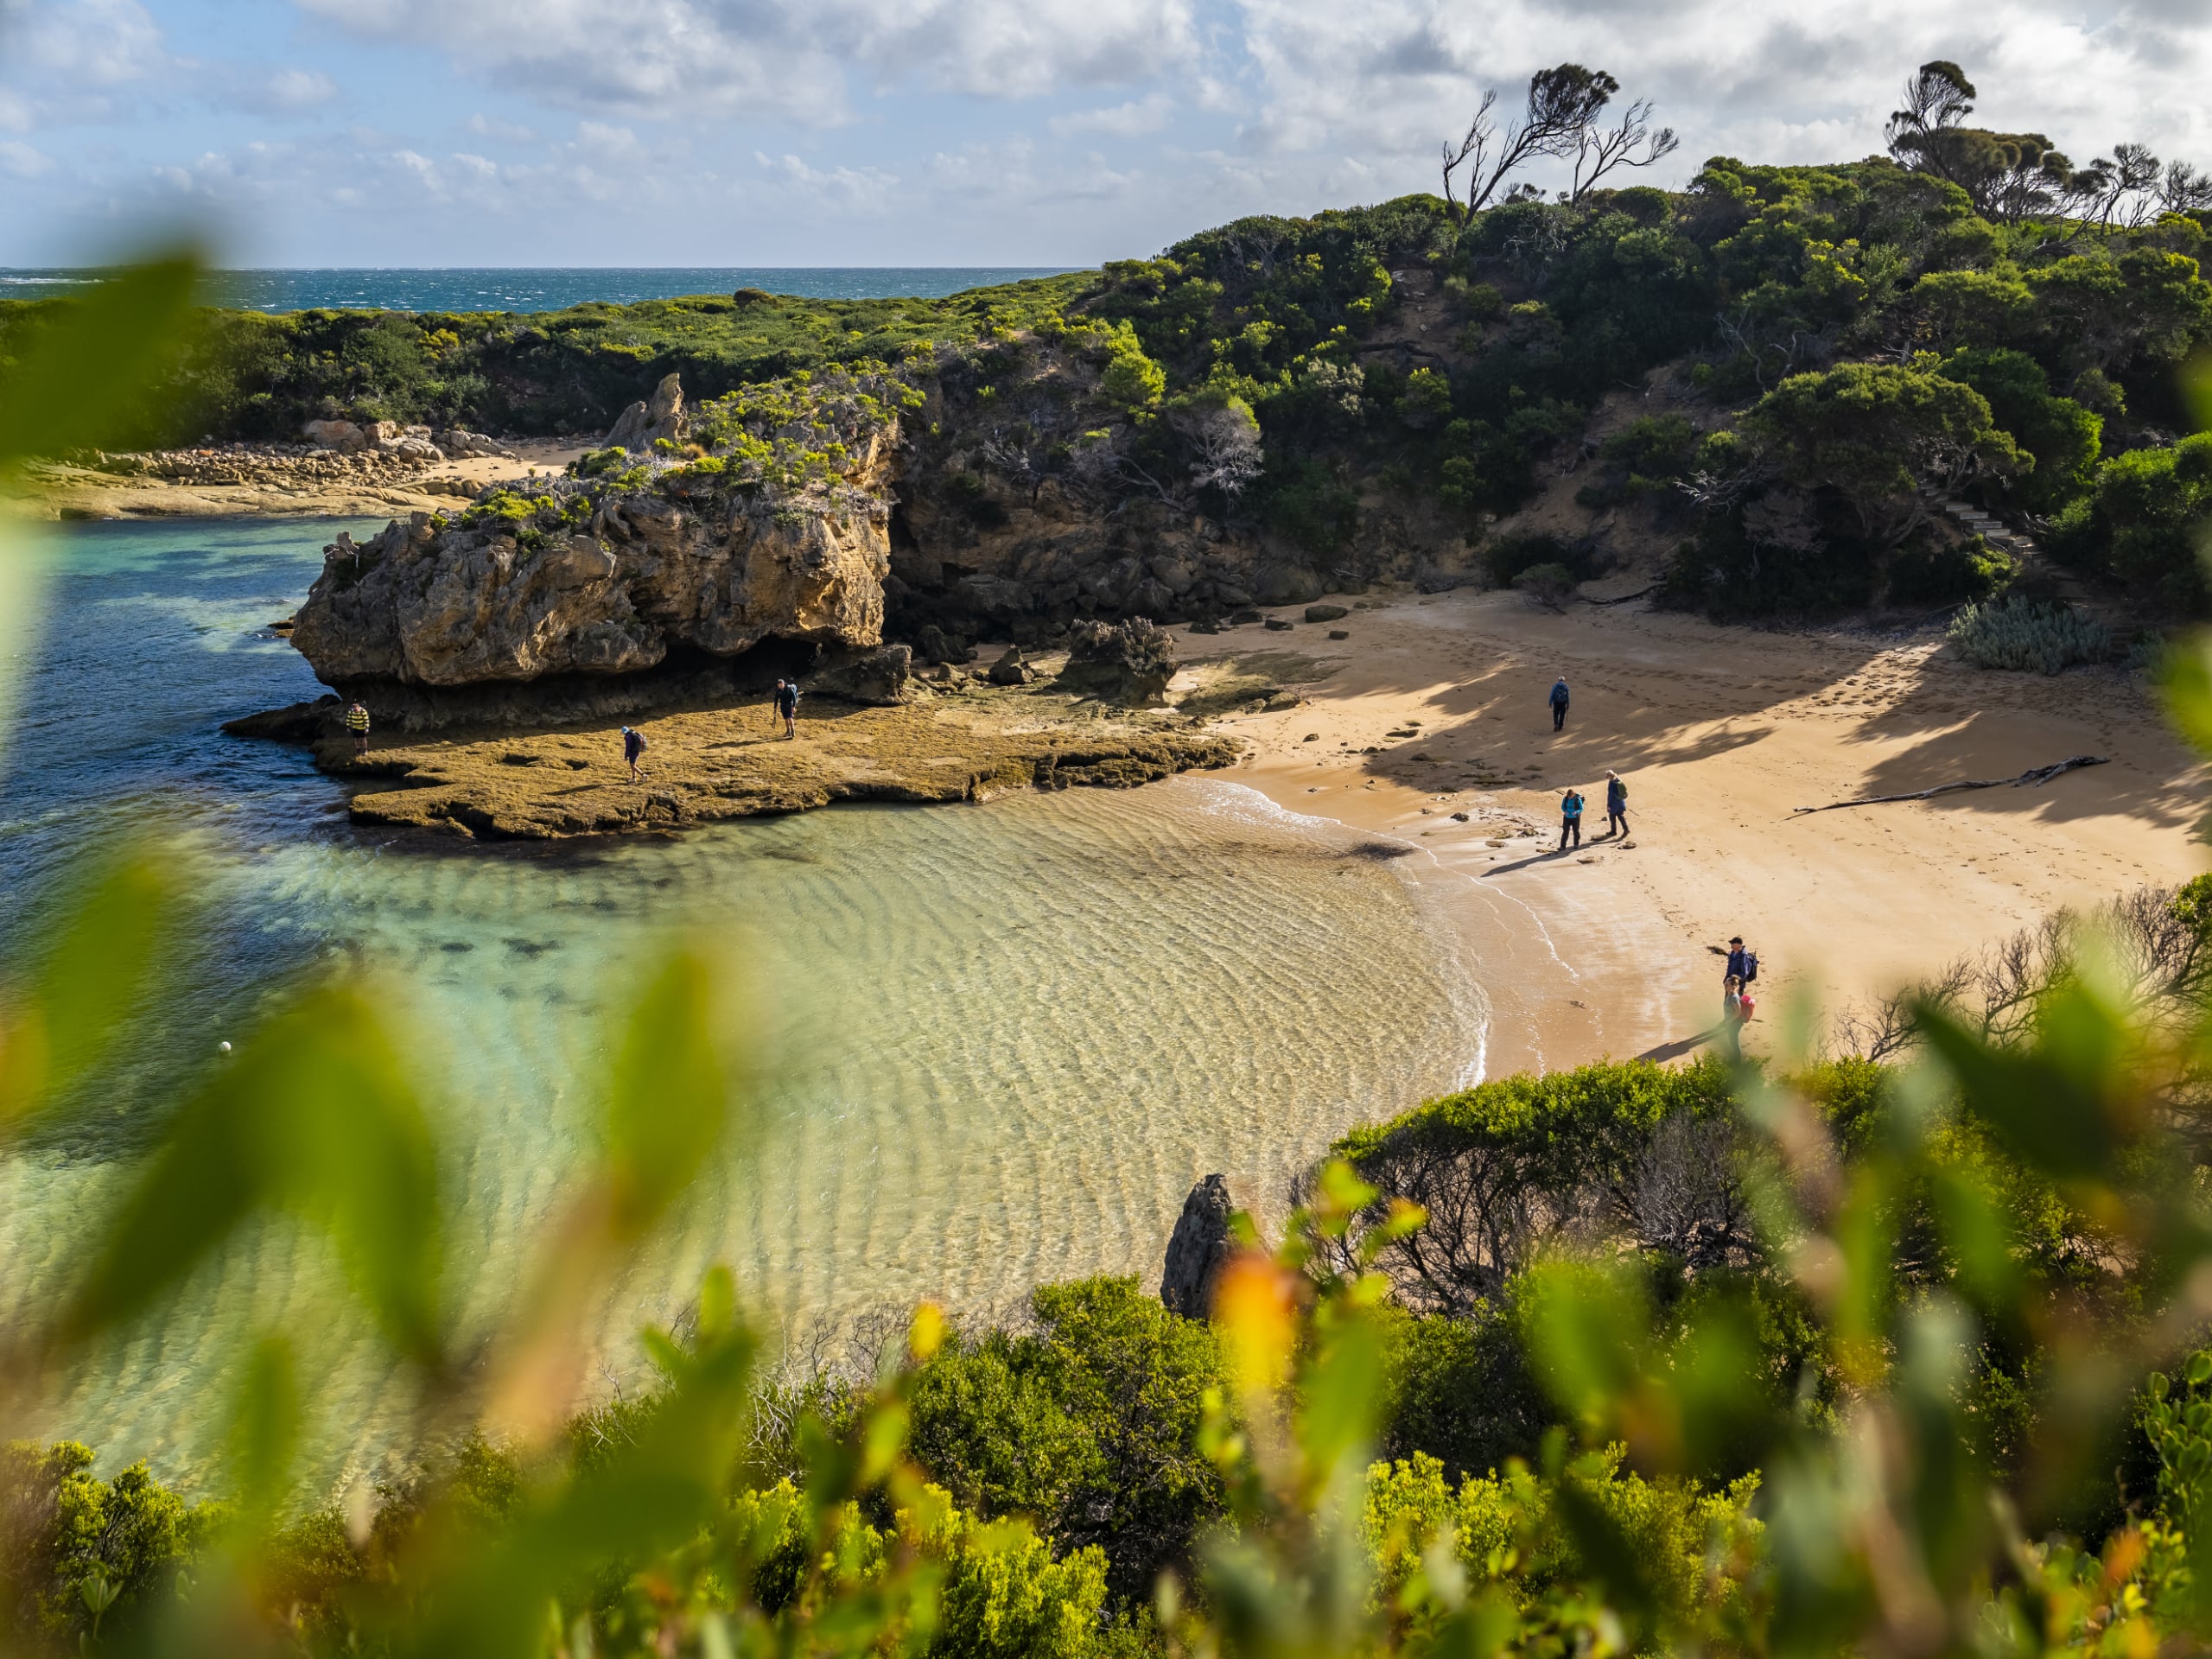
{"points": [[1087, 1423], [1699, 1551], [2139, 522], [1458, 1390], [1869, 431], [1305, 501], [2018, 633], [1505, 558], [1509, 1168], [2063, 439], [1549, 585], [80, 1553], [1928, 572]]}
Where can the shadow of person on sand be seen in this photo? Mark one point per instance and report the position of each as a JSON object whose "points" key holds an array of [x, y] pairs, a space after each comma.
{"points": [[1682, 1045], [1546, 857]]}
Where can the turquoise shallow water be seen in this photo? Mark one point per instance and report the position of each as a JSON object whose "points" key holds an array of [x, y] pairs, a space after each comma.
{"points": [[997, 1043]]}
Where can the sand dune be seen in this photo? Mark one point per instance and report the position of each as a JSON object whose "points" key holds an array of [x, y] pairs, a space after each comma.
{"points": [[1720, 733]]}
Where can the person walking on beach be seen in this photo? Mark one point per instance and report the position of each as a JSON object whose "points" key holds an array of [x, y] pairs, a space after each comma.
{"points": [[1731, 1015], [1559, 702], [357, 722], [1570, 818], [633, 745], [787, 706], [1616, 804]]}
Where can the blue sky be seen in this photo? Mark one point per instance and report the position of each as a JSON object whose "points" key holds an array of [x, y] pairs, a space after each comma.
{"points": [[768, 132]]}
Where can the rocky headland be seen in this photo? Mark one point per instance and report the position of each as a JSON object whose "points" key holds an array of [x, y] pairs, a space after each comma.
{"points": [[817, 527]]}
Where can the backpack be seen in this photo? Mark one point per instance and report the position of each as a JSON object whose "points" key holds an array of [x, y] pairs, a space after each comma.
{"points": [[637, 738], [1751, 966]]}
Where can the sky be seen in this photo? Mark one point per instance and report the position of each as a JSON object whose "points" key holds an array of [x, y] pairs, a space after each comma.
{"points": [[938, 132]]}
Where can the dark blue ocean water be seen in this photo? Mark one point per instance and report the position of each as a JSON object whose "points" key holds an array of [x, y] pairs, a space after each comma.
{"points": [[549, 289]]}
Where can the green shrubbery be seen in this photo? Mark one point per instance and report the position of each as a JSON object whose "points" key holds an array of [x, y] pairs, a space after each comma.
{"points": [[2020, 633]]}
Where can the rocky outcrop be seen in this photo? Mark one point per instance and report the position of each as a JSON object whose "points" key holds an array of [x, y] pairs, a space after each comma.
{"points": [[643, 424], [1198, 1250], [426, 605], [1128, 663]]}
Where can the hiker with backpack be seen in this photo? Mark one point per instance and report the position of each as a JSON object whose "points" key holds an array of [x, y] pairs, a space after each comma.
{"points": [[1736, 979], [633, 745], [786, 706]]}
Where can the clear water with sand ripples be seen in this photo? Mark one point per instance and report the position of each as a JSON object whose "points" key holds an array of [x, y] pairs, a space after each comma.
{"points": [[995, 1044]]}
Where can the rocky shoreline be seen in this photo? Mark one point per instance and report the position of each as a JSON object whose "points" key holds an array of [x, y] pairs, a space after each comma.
{"points": [[955, 739]]}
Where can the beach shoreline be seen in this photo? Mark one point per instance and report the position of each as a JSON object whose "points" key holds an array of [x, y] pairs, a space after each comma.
{"points": [[1721, 735]]}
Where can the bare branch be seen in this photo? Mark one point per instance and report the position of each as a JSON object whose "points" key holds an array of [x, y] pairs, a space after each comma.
{"points": [[1600, 149]]}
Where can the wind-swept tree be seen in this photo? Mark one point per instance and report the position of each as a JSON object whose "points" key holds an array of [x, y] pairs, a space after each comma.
{"points": [[2010, 176], [1564, 103]]}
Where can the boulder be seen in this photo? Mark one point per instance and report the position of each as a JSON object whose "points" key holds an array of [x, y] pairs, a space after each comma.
{"points": [[1010, 670], [642, 425], [379, 435], [938, 646], [876, 677], [1128, 663], [1287, 584], [342, 436], [1199, 1249], [1326, 612], [463, 445]]}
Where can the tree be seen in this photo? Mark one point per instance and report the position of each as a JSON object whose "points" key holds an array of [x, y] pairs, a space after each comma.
{"points": [[1226, 436], [2184, 189], [2064, 438], [2010, 176], [2124, 188], [1563, 103], [1873, 432], [1628, 141]]}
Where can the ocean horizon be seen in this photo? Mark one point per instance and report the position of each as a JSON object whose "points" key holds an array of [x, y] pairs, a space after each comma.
{"points": [[540, 288]]}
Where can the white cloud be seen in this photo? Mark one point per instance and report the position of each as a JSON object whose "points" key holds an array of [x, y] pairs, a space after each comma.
{"points": [[1122, 121], [847, 188], [70, 61], [299, 89], [18, 160], [787, 59], [489, 126]]}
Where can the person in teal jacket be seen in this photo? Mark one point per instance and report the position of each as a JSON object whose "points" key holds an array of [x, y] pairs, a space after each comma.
{"points": [[1570, 818]]}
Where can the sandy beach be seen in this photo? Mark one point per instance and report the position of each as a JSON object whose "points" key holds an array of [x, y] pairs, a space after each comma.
{"points": [[1720, 734]]}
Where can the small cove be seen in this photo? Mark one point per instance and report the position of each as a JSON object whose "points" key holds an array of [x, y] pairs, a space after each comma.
{"points": [[994, 1045]]}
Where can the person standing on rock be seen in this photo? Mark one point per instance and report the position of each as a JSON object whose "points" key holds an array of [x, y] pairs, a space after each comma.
{"points": [[1570, 818], [633, 747], [1559, 702], [1616, 805], [787, 706], [357, 722]]}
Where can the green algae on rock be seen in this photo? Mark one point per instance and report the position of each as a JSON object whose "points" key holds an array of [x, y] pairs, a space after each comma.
{"points": [[958, 742]]}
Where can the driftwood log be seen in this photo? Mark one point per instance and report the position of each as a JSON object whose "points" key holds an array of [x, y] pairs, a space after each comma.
{"points": [[2039, 775]]}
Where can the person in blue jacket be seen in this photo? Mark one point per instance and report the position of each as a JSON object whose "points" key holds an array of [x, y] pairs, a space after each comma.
{"points": [[1559, 702], [1616, 805], [1570, 818]]}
